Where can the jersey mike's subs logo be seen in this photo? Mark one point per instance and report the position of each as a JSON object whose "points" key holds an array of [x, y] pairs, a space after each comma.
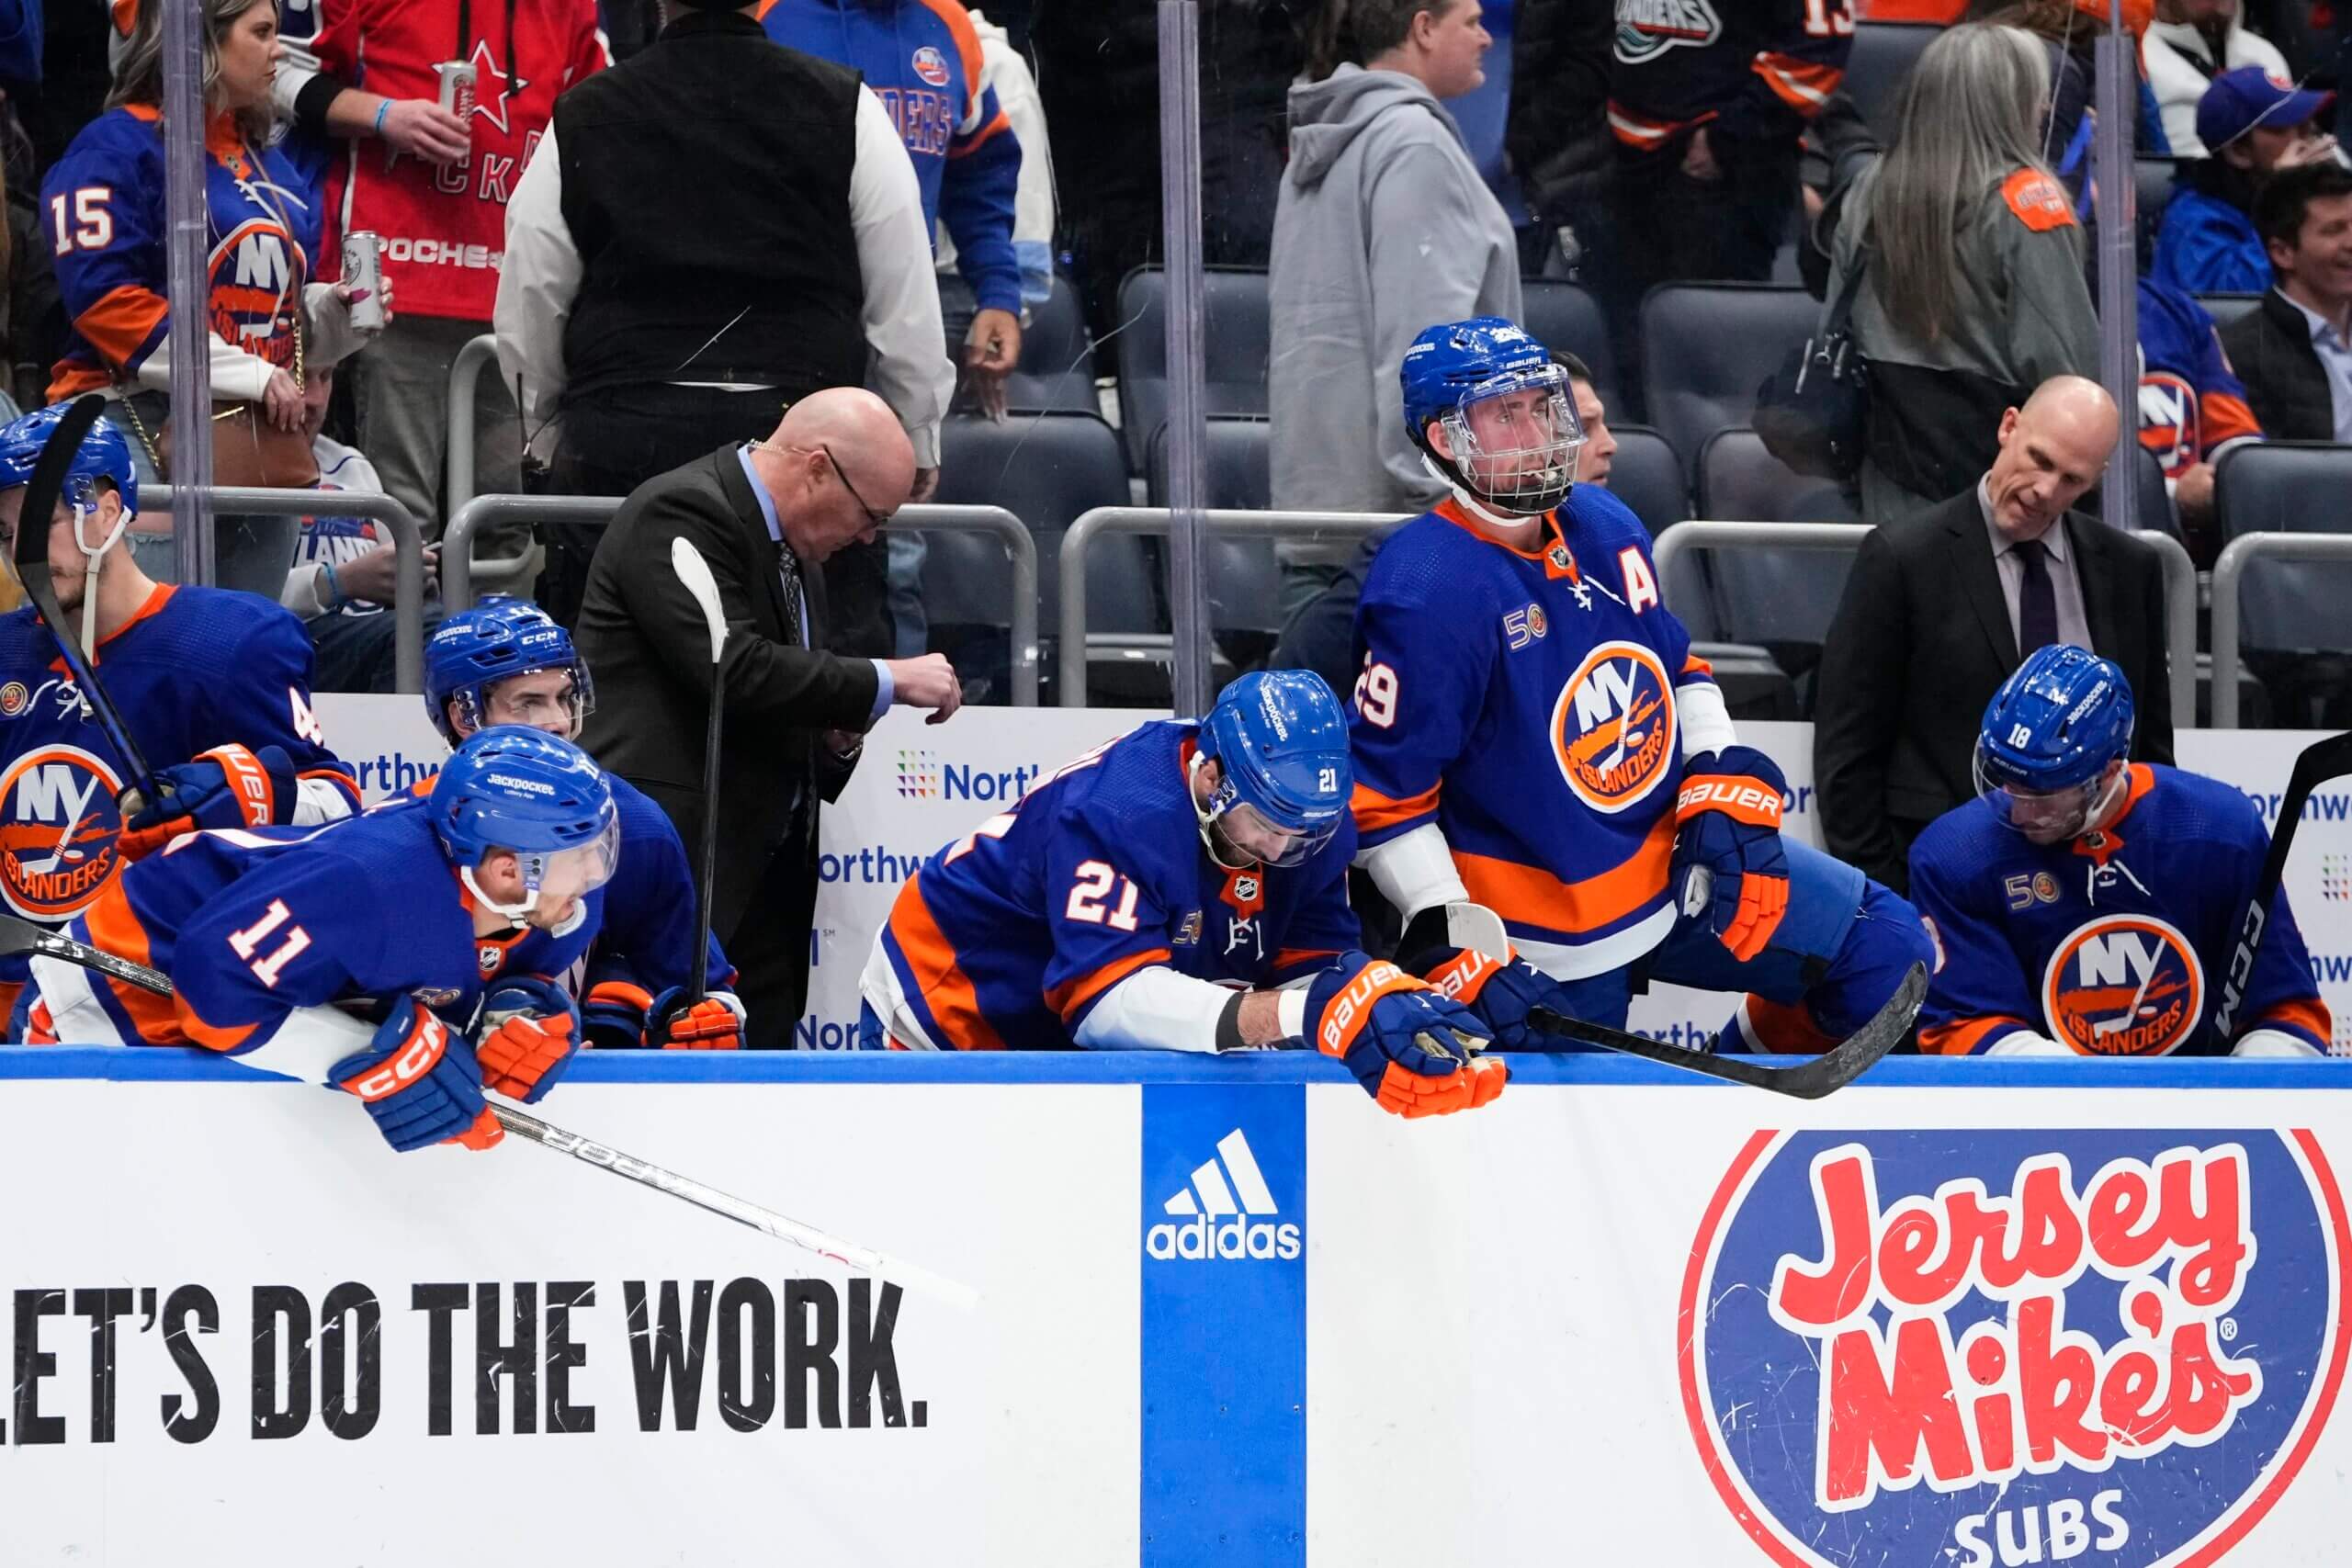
{"points": [[58, 825], [2123, 985], [1613, 727], [2113, 1347]]}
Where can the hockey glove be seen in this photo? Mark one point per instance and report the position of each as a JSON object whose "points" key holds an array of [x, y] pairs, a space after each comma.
{"points": [[420, 1082], [528, 1034], [1730, 872], [714, 1023], [1411, 1048], [229, 787], [613, 1013], [1500, 994]]}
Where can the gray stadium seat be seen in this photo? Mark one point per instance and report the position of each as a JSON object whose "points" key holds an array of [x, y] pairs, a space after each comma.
{"points": [[1562, 316], [1707, 346], [1244, 579], [2289, 487], [2227, 307], [1740, 481], [1235, 344], [1883, 56], [2154, 514], [1056, 374], [1646, 474], [2153, 177]]}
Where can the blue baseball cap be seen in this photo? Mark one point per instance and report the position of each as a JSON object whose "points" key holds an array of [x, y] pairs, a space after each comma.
{"points": [[2236, 101]]}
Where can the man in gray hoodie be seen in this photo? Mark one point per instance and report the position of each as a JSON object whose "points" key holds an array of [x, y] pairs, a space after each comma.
{"points": [[1382, 227]]}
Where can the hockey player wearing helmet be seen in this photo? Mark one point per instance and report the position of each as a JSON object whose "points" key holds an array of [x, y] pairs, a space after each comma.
{"points": [[354, 953], [1532, 734], [1182, 888], [2080, 904]]}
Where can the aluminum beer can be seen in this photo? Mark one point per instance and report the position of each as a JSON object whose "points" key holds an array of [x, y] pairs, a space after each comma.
{"points": [[363, 268], [457, 89]]}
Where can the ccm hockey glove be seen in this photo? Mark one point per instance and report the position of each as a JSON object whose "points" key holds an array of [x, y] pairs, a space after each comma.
{"points": [[1413, 1049], [1730, 872], [420, 1082]]}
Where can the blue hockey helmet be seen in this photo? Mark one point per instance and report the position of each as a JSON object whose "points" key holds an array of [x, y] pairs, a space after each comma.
{"points": [[499, 639], [104, 455], [512, 787], [1279, 741], [2051, 735], [1511, 425]]}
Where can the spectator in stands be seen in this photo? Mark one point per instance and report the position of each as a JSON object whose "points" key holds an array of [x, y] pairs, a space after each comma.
{"points": [[1906, 671], [343, 577], [1556, 133], [105, 198], [707, 232], [32, 315], [435, 191], [1382, 226], [1320, 635], [1974, 291], [2191, 42], [763, 515], [2294, 351], [2193, 407], [1006, 73], [2253, 129]]}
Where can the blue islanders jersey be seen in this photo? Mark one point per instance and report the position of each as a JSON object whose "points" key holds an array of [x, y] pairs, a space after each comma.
{"points": [[1007, 938], [2191, 403], [2109, 943], [196, 668], [1528, 703], [253, 923], [103, 205]]}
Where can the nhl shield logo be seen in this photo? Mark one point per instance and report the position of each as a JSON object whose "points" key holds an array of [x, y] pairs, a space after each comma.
{"points": [[58, 825], [2113, 1347], [2124, 986], [1613, 727]]}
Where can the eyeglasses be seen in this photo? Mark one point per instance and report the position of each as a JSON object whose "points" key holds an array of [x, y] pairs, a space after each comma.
{"points": [[874, 518]]}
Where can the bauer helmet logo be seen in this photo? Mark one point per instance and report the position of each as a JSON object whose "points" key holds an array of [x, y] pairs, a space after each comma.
{"points": [[1614, 727]]}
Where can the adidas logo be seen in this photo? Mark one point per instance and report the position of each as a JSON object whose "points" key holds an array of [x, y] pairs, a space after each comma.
{"points": [[1220, 1217]]}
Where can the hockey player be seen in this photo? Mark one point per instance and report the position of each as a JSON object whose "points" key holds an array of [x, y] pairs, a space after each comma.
{"points": [[507, 661], [220, 679], [1182, 888], [270, 934], [1531, 733], [2086, 905]]}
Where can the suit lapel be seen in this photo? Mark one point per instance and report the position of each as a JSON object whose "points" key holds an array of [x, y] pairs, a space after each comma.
{"points": [[737, 488], [1979, 579], [2089, 537]]}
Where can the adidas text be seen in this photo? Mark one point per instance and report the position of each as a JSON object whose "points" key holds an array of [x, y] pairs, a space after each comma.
{"points": [[1218, 1218]]}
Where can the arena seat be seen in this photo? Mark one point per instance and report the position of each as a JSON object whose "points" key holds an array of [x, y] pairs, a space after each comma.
{"points": [[2154, 513], [2227, 307], [1236, 342], [1707, 346], [1244, 579], [2153, 178], [1056, 374], [2290, 612], [1883, 56], [1563, 316], [1740, 481], [1646, 474]]}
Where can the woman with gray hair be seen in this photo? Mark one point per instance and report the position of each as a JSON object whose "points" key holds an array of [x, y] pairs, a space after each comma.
{"points": [[1971, 291]]}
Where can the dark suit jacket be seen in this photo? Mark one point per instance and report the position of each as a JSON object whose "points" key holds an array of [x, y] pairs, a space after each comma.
{"points": [[2271, 348], [645, 639], [1921, 642]]}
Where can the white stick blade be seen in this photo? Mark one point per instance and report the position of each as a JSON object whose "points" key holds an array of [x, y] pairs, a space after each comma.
{"points": [[694, 572]]}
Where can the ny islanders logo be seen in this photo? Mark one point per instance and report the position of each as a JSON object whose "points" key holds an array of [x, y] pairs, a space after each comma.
{"points": [[1612, 728], [58, 824], [1649, 27], [2113, 1347], [2124, 986], [931, 65]]}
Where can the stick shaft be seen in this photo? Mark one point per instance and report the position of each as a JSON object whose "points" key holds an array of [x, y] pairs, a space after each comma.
{"points": [[698, 986]]}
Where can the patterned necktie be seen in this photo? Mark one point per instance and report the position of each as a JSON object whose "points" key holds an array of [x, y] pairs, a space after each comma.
{"points": [[788, 570], [2037, 599]]}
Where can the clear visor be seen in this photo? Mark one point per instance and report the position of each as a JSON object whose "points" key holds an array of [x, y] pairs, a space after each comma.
{"points": [[2044, 817], [558, 713], [1517, 445], [1243, 827], [554, 878]]}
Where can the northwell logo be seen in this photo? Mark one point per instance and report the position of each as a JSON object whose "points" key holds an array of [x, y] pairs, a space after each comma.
{"points": [[1216, 1224]]}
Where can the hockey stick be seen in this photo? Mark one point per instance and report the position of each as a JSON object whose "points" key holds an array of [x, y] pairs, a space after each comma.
{"points": [[31, 556], [694, 572], [23, 937], [2320, 761], [1476, 926]]}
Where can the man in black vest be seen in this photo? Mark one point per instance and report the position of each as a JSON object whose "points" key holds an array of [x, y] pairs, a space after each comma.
{"points": [[764, 515], [708, 232]]}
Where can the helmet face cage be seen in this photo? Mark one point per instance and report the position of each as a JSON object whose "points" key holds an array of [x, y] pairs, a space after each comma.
{"points": [[1520, 454], [2045, 816]]}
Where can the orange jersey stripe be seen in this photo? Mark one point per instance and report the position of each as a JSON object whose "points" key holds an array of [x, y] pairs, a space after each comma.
{"points": [[958, 22], [980, 137], [955, 1004], [1375, 810], [121, 320], [114, 926], [2308, 1015], [1536, 897], [1805, 85], [1963, 1038], [1786, 1027], [1071, 995]]}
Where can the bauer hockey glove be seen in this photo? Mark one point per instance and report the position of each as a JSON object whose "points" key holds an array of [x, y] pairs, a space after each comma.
{"points": [[1499, 993], [421, 1083], [228, 786], [1413, 1050], [528, 1034], [714, 1023], [1730, 872]]}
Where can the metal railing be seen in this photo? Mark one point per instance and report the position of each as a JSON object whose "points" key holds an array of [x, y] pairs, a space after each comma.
{"points": [[408, 551], [1103, 520], [457, 574], [2228, 572], [458, 453], [2180, 585]]}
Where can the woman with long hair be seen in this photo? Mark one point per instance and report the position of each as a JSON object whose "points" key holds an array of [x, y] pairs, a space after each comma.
{"points": [[104, 204], [1972, 291]]}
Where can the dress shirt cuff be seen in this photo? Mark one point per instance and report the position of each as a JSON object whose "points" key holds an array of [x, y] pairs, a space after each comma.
{"points": [[885, 693]]}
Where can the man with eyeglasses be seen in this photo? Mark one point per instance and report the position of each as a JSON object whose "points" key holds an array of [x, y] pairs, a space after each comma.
{"points": [[765, 515]]}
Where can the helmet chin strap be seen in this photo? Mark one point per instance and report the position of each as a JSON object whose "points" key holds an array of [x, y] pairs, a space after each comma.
{"points": [[518, 913], [1472, 502], [2096, 818], [92, 555], [1221, 849]]}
